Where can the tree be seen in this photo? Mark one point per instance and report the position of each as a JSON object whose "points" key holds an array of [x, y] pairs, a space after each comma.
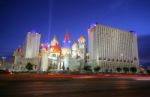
{"points": [[96, 69], [63, 67], [29, 66], [133, 69], [148, 71], [118, 69], [50, 67], [87, 68], [125, 69], [67, 68]]}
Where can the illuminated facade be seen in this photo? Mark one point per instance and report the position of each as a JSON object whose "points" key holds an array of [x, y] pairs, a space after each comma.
{"points": [[81, 51], [111, 48], [50, 57], [44, 59], [32, 45], [75, 49], [18, 53]]}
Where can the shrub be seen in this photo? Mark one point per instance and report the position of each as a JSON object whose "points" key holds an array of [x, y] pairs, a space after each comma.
{"points": [[87, 68], [133, 69], [96, 69], [125, 69], [118, 69], [29, 66], [148, 71]]}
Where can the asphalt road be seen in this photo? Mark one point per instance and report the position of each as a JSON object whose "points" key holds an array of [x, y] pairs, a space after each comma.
{"points": [[106, 87]]}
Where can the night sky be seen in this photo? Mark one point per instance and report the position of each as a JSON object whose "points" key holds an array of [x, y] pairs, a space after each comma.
{"points": [[49, 17]]}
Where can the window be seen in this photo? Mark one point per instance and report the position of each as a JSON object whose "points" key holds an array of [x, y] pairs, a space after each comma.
{"points": [[135, 58]]}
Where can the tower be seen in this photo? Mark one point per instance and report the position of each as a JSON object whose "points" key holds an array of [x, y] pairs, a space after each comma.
{"points": [[17, 58], [54, 41], [66, 38], [32, 45], [55, 50], [74, 49], [82, 49], [66, 45], [44, 59]]}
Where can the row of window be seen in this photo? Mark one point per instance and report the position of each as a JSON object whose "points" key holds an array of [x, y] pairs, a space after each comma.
{"points": [[117, 60]]}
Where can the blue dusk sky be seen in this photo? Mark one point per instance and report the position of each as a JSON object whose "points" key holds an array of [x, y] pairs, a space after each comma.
{"points": [[55, 17]]}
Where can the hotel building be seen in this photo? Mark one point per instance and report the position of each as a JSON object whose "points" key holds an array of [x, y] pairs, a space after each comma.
{"points": [[111, 48]]}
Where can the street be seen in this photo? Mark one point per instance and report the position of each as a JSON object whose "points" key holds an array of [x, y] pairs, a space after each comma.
{"points": [[104, 87]]}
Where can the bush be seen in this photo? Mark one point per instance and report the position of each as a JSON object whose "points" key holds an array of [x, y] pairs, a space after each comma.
{"points": [[125, 69], [63, 67], [49, 68], [29, 66], [118, 69], [148, 71], [133, 69], [96, 69], [87, 68]]}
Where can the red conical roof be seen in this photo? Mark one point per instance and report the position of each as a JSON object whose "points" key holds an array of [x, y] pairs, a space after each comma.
{"points": [[56, 48], [66, 37]]}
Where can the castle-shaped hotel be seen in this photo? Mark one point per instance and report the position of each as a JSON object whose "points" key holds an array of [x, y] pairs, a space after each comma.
{"points": [[50, 56], [108, 48]]}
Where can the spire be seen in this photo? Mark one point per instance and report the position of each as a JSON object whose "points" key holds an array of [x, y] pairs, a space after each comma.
{"points": [[54, 37], [66, 37], [54, 41], [66, 42]]}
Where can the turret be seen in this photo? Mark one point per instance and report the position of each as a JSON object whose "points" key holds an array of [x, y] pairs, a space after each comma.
{"points": [[17, 56], [66, 42], [81, 52], [81, 41], [44, 58], [74, 49], [66, 45], [54, 41]]}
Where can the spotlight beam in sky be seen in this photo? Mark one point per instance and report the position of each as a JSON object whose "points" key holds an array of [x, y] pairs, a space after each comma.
{"points": [[50, 19]]}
